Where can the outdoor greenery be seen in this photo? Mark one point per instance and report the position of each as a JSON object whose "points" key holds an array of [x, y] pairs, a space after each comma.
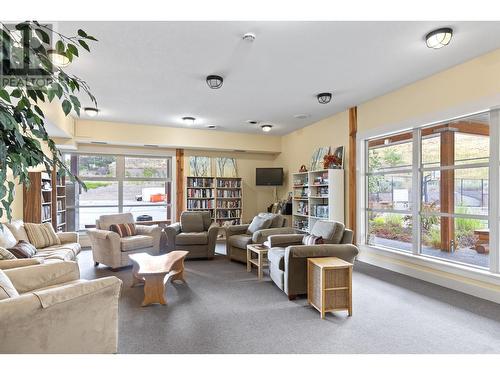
{"points": [[96, 184], [22, 121]]}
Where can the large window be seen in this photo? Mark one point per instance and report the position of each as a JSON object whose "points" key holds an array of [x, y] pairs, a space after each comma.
{"points": [[140, 185], [428, 191]]}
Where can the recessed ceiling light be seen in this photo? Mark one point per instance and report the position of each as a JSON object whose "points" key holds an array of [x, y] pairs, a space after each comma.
{"points": [[252, 122], [214, 82], [211, 126], [302, 116], [324, 97], [57, 58], [266, 128], [250, 37], [439, 38], [91, 111], [188, 120]]}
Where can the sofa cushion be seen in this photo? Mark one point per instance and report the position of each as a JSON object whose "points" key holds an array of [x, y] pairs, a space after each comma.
{"points": [[23, 249], [6, 254], [135, 242], [17, 229], [240, 241], [7, 239], [55, 253], [41, 235], [259, 223], [192, 222], [7, 289], [331, 231], [105, 221], [123, 230], [276, 255], [71, 247], [198, 238], [277, 220]]}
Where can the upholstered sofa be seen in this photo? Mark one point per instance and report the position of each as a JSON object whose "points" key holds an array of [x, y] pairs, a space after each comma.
{"points": [[257, 232], [288, 256], [194, 233], [11, 233], [112, 250], [49, 309]]}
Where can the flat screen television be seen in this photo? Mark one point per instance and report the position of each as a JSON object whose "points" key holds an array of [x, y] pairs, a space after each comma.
{"points": [[269, 176]]}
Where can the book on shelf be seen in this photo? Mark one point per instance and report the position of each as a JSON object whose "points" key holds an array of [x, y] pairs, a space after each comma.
{"points": [[229, 183], [199, 193], [195, 182]]}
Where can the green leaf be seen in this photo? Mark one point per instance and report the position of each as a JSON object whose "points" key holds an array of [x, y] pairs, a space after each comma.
{"points": [[90, 37], [66, 106], [5, 95], [51, 93], [84, 44], [60, 46], [82, 33], [16, 93], [72, 48], [43, 35]]}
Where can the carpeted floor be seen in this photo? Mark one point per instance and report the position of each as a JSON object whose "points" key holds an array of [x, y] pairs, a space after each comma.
{"points": [[224, 309]]}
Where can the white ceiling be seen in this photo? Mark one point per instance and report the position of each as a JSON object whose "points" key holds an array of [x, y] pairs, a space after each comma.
{"points": [[154, 72]]}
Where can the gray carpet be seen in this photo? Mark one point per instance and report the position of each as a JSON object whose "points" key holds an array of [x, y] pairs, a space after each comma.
{"points": [[224, 309]]}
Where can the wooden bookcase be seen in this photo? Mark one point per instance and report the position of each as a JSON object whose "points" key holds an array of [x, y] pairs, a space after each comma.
{"points": [[317, 195], [44, 201], [200, 194]]}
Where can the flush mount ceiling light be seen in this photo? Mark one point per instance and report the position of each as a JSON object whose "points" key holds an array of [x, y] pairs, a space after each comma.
{"points": [[266, 128], [57, 58], [211, 126], [439, 38], [301, 116], [91, 111], [324, 97], [249, 37], [252, 122], [188, 120], [214, 82]]}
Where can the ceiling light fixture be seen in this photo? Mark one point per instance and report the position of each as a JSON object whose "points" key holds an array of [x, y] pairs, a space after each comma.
{"points": [[214, 82], [439, 38], [211, 126], [91, 111], [252, 122], [266, 128], [250, 37], [324, 97], [188, 120], [58, 59], [301, 116]]}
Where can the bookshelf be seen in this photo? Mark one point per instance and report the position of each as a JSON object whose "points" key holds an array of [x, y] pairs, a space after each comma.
{"points": [[228, 201], [200, 194], [317, 195], [59, 202]]}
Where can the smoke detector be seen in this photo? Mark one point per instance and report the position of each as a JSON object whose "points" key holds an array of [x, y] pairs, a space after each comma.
{"points": [[249, 37]]}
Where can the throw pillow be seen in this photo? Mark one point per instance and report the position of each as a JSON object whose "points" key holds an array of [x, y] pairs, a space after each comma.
{"points": [[17, 229], [312, 240], [23, 249], [41, 235], [6, 254], [7, 239], [7, 289], [123, 230], [259, 223]]}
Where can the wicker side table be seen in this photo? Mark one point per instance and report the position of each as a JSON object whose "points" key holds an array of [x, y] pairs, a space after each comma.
{"points": [[329, 285]]}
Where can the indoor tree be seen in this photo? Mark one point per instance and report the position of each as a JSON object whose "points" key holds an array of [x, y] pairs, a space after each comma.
{"points": [[32, 58]]}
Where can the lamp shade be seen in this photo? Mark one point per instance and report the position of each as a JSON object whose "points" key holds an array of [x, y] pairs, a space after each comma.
{"points": [[214, 82]]}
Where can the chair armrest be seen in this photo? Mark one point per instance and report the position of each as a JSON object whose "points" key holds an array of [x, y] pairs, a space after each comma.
{"points": [[232, 230], [148, 230], [171, 231], [213, 232], [103, 234], [26, 279], [16, 263], [346, 252], [285, 240], [68, 237], [261, 235], [347, 237]]}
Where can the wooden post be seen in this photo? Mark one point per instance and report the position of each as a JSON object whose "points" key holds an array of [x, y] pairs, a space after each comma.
{"points": [[179, 162], [353, 129], [447, 188]]}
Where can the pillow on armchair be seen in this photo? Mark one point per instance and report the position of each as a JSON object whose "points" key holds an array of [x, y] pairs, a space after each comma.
{"points": [[259, 223]]}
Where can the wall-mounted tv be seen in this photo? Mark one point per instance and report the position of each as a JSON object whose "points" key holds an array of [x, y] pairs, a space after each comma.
{"points": [[269, 176]]}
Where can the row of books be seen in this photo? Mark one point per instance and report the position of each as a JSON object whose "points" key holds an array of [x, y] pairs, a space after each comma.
{"points": [[199, 193], [302, 208], [200, 204], [200, 182], [228, 204], [229, 183], [46, 213], [60, 218], [60, 205], [228, 194], [228, 214], [320, 210]]}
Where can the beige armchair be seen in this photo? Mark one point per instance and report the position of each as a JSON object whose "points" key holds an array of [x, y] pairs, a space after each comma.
{"points": [[112, 250], [56, 312], [262, 226], [195, 233]]}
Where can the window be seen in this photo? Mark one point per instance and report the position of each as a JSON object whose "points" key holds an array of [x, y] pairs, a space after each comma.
{"points": [[450, 220], [140, 185]]}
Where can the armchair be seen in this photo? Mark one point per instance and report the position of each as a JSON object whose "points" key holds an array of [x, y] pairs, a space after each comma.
{"points": [[262, 226], [56, 312], [194, 233], [288, 257], [112, 250]]}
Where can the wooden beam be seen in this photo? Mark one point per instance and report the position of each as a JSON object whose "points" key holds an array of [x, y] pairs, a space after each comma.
{"points": [[353, 129], [447, 188], [179, 162]]}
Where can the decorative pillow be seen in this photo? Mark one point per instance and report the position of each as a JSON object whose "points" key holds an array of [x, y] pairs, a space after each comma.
{"points": [[311, 239], [7, 239], [7, 289], [259, 223], [17, 229], [41, 235], [276, 219], [23, 249], [123, 230], [6, 254]]}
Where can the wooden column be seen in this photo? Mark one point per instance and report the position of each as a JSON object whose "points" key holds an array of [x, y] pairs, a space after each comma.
{"points": [[179, 182], [353, 129], [447, 188]]}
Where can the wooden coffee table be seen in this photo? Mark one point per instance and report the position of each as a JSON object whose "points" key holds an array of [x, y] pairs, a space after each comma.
{"points": [[260, 262], [154, 272]]}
